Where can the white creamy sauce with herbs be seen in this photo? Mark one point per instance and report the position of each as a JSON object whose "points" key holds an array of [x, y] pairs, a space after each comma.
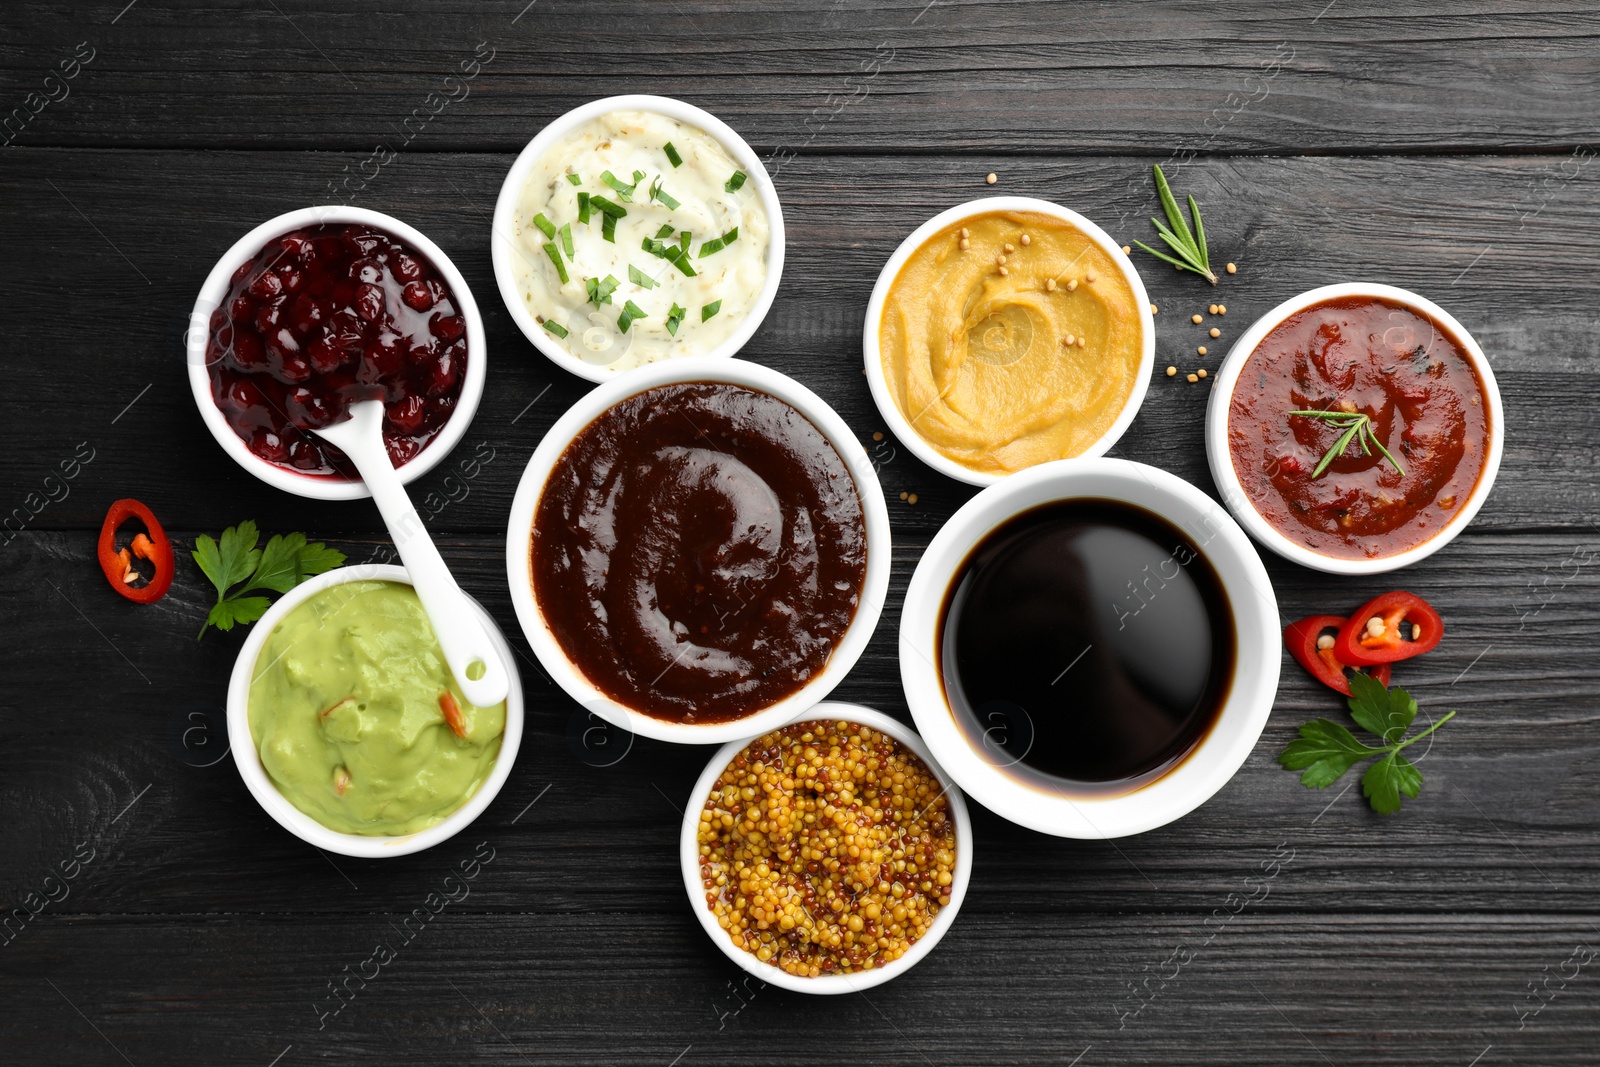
{"points": [[605, 275]]}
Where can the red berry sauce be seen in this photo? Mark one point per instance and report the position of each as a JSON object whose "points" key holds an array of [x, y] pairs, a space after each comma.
{"points": [[323, 317]]}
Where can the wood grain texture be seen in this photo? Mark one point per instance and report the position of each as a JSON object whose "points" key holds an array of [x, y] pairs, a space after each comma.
{"points": [[576, 989], [1444, 147], [991, 78]]}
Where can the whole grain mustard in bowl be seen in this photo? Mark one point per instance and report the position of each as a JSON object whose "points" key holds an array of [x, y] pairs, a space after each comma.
{"points": [[828, 855], [1008, 332]]}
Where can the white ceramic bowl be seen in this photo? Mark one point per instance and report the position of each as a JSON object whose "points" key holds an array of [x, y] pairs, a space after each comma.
{"points": [[689, 858], [502, 243], [215, 290], [901, 426], [248, 759], [1258, 649], [874, 588], [1221, 458]]}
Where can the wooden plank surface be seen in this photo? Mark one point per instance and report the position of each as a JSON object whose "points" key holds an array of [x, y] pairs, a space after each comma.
{"points": [[1445, 147], [828, 75]]}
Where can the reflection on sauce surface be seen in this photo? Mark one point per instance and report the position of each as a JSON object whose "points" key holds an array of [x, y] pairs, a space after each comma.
{"points": [[698, 551], [1410, 376], [1086, 647]]}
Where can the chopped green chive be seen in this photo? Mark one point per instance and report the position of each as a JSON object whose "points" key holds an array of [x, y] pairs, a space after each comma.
{"points": [[630, 311], [658, 193], [675, 319], [623, 189], [600, 289], [666, 228], [683, 240], [672, 154], [555, 257], [554, 327], [615, 210], [546, 227], [566, 239], [583, 209], [638, 176], [680, 259], [608, 228], [717, 244], [735, 182], [574, 179], [639, 277], [710, 310]]}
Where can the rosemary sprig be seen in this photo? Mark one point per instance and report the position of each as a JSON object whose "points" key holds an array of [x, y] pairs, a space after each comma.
{"points": [[1357, 427], [1190, 247]]}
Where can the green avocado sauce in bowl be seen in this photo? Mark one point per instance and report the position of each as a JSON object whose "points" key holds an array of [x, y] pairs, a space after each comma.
{"points": [[360, 740]]}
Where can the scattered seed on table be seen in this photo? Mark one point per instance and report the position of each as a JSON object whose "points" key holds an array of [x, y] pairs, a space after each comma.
{"points": [[1196, 319], [1212, 309], [1193, 379], [1154, 309], [1127, 249], [911, 499], [1201, 372], [904, 495], [1215, 332], [1233, 269], [877, 435], [1201, 350], [1172, 372], [1222, 309], [992, 177]]}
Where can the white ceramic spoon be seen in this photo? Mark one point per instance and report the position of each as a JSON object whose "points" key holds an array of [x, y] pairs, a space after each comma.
{"points": [[461, 635]]}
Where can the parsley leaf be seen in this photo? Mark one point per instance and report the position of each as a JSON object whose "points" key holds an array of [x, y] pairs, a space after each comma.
{"points": [[285, 562], [1326, 750], [1386, 779], [1385, 712]]}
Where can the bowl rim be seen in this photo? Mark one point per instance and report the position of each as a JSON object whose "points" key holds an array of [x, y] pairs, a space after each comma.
{"points": [[1258, 649], [874, 588], [872, 353], [247, 758], [689, 857], [502, 247], [215, 287], [1220, 457]]}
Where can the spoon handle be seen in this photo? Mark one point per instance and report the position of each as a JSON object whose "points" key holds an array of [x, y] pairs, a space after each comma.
{"points": [[461, 634]]}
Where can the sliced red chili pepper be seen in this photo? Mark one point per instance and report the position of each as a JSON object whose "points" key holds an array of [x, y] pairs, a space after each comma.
{"points": [[452, 713], [1302, 639], [1409, 627], [151, 545]]}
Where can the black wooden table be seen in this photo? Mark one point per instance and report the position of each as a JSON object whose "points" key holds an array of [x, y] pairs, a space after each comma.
{"points": [[1435, 145]]}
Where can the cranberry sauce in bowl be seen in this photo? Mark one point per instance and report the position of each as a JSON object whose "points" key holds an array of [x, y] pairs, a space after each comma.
{"points": [[325, 315]]}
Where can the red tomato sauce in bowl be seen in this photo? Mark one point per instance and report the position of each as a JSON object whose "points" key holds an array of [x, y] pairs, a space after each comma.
{"points": [[1427, 404]]}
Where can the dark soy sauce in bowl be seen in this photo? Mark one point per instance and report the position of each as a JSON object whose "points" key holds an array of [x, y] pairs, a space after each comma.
{"points": [[1087, 647]]}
